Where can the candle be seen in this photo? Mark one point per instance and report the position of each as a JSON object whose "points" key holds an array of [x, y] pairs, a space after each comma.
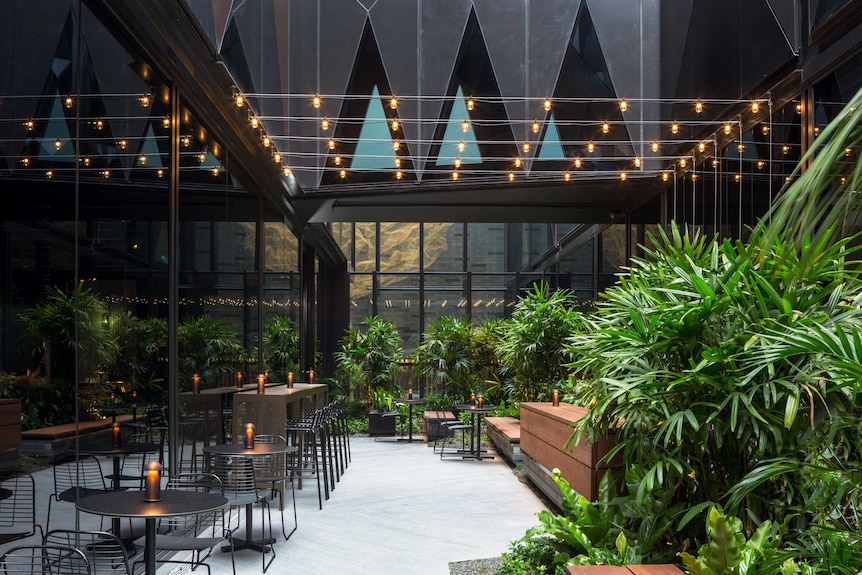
{"points": [[290, 379], [472, 399], [556, 398], [113, 398], [410, 393], [480, 401], [196, 383], [152, 482], [134, 397], [248, 441], [311, 376], [261, 384], [116, 436], [238, 380]]}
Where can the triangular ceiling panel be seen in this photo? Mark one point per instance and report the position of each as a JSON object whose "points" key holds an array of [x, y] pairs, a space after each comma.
{"points": [[150, 149], [551, 148], [341, 26], [57, 130], [673, 46], [548, 39], [438, 53], [784, 12], [455, 138], [374, 150], [393, 21], [221, 10], [503, 30]]}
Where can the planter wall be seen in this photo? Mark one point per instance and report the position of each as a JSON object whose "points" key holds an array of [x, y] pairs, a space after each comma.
{"points": [[10, 429], [545, 429], [382, 424]]}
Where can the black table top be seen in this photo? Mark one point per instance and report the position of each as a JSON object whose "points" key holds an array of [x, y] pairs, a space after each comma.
{"points": [[476, 408], [260, 449], [132, 504]]}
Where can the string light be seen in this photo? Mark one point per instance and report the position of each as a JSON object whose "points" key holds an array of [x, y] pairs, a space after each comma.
{"points": [[396, 145], [605, 127], [701, 147], [457, 163], [239, 100], [455, 176], [755, 107], [276, 157], [785, 149], [737, 177], [106, 174], [324, 124], [399, 174], [187, 141], [470, 105], [518, 162], [461, 145], [343, 173], [511, 176], [465, 125], [397, 162], [624, 105], [122, 144], [654, 146], [623, 176], [202, 157], [674, 128], [698, 106], [69, 102], [393, 103], [664, 176], [740, 148], [578, 162], [591, 147], [58, 144], [337, 160], [143, 160], [29, 125], [145, 100], [799, 108], [160, 173], [694, 176], [395, 125], [637, 162], [682, 162], [331, 144], [764, 129], [847, 151], [166, 122], [567, 176], [215, 171], [727, 129], [255, 123], [760, 164], [25, 162], [315, 101], [99, 124], [266, 142], [536, 127], [547, 104], [715, 163], [49, 174], [286, 171], [526, 147]]}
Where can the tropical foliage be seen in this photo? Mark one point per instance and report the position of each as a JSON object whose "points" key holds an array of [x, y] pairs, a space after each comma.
{"points": [[369, 357], [208, 347], [281, 347]]}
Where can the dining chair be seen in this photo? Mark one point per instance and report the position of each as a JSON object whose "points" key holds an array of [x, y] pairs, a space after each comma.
{"points": [[17, 506], [198, 533], [274, 471], [132, 469], [40, 559], [75, 478], [104, 551], [240, 487]]}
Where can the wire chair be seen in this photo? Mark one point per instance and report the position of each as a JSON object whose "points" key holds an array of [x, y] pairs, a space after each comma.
{"points": [[39, 559], [75, 479], [274, 471], [17, 506], [104, 551]]}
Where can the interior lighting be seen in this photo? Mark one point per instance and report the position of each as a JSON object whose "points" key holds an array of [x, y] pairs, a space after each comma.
{"points": [[664, 176], [637, 162], [106, 174], [465, 126], [324, 124], [202, 157], [701, 147], [605, 127], [740, 147], [397, 162], [255, 123], [698, 106], [69, 102], [764, 129], [785, 149], [547, 105], [399, 175], [799, 108], [395, 125], [49, 174], [286, 171], [276, 157], [266, 142], [215, 171], [239, 100], [578, 162], [143, 160], [461, 145], [624, 105], [816, 130], [674, 128], [315, 101], [160, 173], [58, 144], [457, 163], [166, 122], [331, 144], [470, 104], [455, 176], [715, 163], [396, 145], [526, 147], [654, 146], [787, 179], [591, 147], [25, 162], [682, 162], [337, 160], [567, 176], [29, 125], [737, 177], [536, 127], [623, 176], [145, 100], [755, 107], [393, 103], [187, 141], [847, 151], [694, 176], [511, 176], [343, 173], [760, 164], [727, 128], [99, 124], [122, 144], [518, 162]]}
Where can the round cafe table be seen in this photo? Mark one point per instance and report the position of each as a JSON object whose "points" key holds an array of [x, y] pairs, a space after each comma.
{"points": [[131, 504]]}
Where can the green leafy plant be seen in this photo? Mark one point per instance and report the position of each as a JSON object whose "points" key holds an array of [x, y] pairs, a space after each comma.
{"points": [[370, 357], [447, 356], [281, 347], [207, 347]]}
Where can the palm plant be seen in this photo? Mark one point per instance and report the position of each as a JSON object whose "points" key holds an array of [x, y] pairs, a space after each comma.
{"points": [[368, 359], [281, 347], [207, 347], [447, 356]]}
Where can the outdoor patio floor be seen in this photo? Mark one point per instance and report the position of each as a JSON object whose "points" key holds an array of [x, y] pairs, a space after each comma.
{"points": [[398, 509]]}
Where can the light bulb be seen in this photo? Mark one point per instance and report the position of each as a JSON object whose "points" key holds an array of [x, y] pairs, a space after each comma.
{"points": [[58, 144], [591, 147], [536, 127], [847, 151], [399, 174], [276, 157], [654, 146], [266, 142], [454, 175], [511, 176], [331, 144], [526, 147], [518, 162], [239, 100], [395, 125], [740, 147], [674, 128], [623, 176], [755, 107], [145, 100], [187, 141], [122, 144], [69, 102], [785, 149], [106, 174], [215, 171], [99, 124], [624, 105], [737, 177], [324, 124], [637, 162], [760, 164], [255, 122], [764, 129], [86, 160], [457, 162], [396, 145], [393, 102], [799, 108], [664, 176], [166, 122], [337, 160], [202, 157], [461, 146], [49, 174], [547, 104], [286, 171], [343, 173], [578, 162], [567, 176], [470, 104], [605, 127], [701, 147], [682, 162], [727, 128], [465, 125], [715, 163], [397, 162], [29, 125], [160, 173], [698, 106], [694, 176], [315, 101], [143, 160]]}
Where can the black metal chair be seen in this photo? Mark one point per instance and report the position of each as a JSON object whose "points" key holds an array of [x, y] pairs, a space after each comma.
{"points": [[75, 478], [275, 472], [104, 551], [41, 559], [17, 506]]}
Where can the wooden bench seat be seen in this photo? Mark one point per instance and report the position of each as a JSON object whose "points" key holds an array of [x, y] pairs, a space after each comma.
{"points": [[54, 440], [657, 569], [432, 418], [505, 435]]}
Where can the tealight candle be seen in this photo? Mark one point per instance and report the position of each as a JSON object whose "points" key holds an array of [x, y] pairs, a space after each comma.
{"points": [[116, 436], [196, 383], [239, 380], [248, 440], [556, 398], [153, 482], [261, 384], [290, 379], [410, 393]]}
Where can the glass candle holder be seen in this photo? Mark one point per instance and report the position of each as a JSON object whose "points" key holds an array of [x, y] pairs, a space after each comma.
{"points": [[116, 436], [196, 383], [239, 380], [153, 482], [261, 384], [410, 393], [248, 438], [556, 398], [311, 376], [472, 399], [290, 379]]}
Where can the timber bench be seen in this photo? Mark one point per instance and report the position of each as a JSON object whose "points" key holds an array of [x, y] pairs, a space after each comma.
{"points": [[505, 435], [432, 418], [658, 569], [55, 440]]}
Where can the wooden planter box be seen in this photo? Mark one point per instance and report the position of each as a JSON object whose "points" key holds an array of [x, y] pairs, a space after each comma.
{"points": [[10, 430], [658, 569], [545, 429], [382, 424]]}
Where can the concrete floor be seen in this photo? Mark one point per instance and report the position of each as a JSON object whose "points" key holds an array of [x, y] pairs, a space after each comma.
{"points": [[398, 509]]}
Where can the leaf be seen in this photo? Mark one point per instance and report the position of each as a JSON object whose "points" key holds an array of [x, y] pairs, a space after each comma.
{"points": [[791, 408]]}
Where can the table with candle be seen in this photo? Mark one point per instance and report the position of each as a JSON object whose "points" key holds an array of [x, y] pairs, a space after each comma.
{"points": [[409, 401], [150, 505], [477, 412]]}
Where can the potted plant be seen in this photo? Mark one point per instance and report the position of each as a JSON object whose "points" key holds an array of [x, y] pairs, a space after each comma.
{"points": [[382, 416]]}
